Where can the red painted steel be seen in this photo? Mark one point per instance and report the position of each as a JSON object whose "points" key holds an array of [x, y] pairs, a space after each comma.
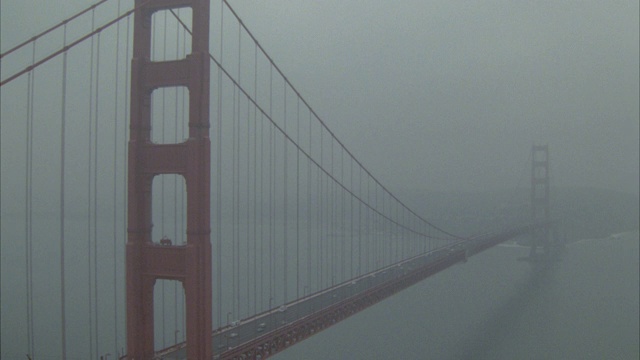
{"points": [[271, 343], [288, 335], [147, 261], [276, 341]]}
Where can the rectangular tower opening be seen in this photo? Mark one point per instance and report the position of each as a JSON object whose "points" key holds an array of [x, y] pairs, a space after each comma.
{"points": [[170, 37], [168, 313], [170, 115], [169, 210]]}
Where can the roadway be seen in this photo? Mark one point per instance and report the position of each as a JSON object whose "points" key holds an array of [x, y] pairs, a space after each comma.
{"points": [[266, 333], [241, 332]]}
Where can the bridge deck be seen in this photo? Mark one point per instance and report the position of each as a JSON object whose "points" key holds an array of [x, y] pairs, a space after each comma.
{"points": [[270, 332]]}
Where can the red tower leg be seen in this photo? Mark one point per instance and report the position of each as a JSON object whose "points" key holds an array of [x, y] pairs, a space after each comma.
{"points": [[146, 261]]}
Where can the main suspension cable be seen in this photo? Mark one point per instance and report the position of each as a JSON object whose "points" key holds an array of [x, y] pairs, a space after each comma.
{"points": [[71, 45], [61, 23], [299, 148], [325, 126]]}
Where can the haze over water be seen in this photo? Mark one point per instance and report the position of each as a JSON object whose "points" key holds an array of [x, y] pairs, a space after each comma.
{"points": [[495, 307], [492, 307]]}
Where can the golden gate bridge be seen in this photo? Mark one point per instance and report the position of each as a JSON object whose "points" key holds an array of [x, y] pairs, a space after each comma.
{"points": [[163, 172]]}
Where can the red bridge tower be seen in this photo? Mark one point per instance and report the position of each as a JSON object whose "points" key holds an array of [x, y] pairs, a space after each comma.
{"points": [[148, 261], [540, 209]]}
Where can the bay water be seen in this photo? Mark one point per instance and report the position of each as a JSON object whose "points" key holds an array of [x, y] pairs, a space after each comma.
{"points": [[496, 307]]}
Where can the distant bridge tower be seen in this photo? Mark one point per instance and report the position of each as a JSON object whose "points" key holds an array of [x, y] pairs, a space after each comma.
{"points": [[148, 261], [540, 212]]}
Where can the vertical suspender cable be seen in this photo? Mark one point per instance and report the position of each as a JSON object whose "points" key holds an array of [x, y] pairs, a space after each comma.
{"points": [[89, 204], [31, 112], [331, 213], [63, 319], [389, 235], [309, 209], [320, 223], [234, 182], [298, 200], [285, 202], [255, 179], [248, 208], [397, 232], [403, 233], [318, 280], [115, 175], [393, 211], [28, 203], [327, 222], [342, 215], [175, 193], [416, 248], [162, 178], [382, 250], [183, 210], [351, 214], [381, 231], [359, 221], [385, 230], [261, 211], [408, 235], [424, 242], [377, 224], [332, 219], [95, 199], [403, 236], [413, 236], [273, 210], [219, 199], [271, 186], [219, 170], [27, 185], [368, 229], [367, 232], [237, 194], [376, 235], [248, 146], [374, 228], [396, 235], [125, 140], [359, 272], [388, 231]]}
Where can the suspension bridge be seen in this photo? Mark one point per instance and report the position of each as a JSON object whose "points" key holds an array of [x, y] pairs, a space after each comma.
{"points": [[161, 171]]}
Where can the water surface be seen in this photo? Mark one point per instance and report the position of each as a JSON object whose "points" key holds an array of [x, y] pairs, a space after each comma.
{"points": [[495, 307]]}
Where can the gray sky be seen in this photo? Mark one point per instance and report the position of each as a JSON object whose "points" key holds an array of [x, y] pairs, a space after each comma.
{"points": [[429, 95], [450, 95]]}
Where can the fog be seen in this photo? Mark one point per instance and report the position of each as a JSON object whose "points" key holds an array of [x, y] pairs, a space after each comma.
{"points": [[433, 98], [449, 96]]}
